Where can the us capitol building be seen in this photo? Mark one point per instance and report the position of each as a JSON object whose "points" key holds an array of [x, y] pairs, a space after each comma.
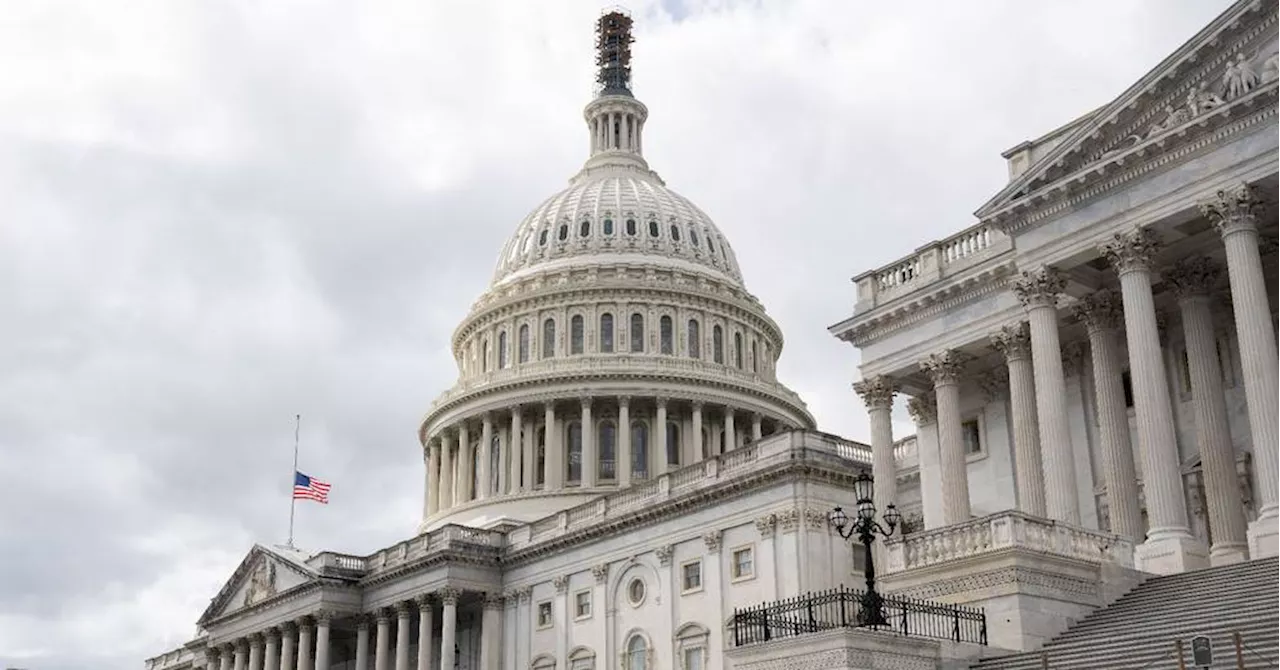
{"points": [[1092, 368]]}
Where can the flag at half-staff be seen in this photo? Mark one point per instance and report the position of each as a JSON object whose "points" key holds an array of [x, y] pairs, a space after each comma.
{"points": [[310, 488]]}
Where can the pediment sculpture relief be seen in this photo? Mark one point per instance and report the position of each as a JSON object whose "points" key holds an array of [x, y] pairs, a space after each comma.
{"points": [[262, 583]]}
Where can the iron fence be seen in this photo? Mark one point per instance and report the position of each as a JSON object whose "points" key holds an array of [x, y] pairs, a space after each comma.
{"points": [[846, 608]]}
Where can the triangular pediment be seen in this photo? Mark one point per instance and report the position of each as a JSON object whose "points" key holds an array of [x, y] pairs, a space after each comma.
{"points": [[1230, 63], [264, 573]]}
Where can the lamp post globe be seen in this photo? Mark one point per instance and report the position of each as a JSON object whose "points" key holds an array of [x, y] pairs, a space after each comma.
{"points": [[865, 528]]}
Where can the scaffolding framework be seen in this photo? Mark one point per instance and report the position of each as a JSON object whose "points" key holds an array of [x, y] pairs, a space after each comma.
{"points": [[613, 53]]}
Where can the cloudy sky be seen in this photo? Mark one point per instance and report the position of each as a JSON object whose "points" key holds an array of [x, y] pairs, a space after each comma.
{"points": [[216, 215]]}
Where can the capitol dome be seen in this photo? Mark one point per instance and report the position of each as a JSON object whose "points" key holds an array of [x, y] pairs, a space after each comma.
{"points": [[616, 344]]}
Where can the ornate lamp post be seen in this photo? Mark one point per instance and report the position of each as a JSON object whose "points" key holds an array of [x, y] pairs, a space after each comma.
{"points": [[865, 527]]}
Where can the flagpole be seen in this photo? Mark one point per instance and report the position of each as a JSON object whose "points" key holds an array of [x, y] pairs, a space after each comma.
{"points": [[293, 476]]}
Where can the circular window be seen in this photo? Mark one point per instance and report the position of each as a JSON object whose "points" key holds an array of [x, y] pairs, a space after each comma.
{"points": [[635, 591]]}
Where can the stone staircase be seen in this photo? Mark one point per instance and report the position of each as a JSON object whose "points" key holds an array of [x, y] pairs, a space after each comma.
{"points": [[1138, 631]]}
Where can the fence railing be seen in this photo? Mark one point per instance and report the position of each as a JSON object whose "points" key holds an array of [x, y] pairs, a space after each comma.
{"points": [[844, 608]]}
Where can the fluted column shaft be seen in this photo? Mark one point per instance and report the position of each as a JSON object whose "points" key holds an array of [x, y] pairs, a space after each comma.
{"points": [[305, 644], [462, 467], [590, 455], [491, 634], [659, 453], [515, 446], [382, 644], [433, 477], [1235, 212], [225, 657], [322, 642], [1014, 343], [730, 430], [424, 634], [255, 653], [271, 653], [877, 394], [551, 446], [698, 449], [757, 431], [1039, 292], [624, 442], [448, 626], [446, 474], [362, 645], [530, 448], [944, 369], [485, 480], [288, 645], [404, 615], [1193, 279], [241, 655]]}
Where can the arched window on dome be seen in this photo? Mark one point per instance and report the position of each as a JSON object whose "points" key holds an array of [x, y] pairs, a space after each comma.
{"points": [[666, 338], [637, 657], [639, 450], [675, 233], [563, 234], [637, 333], [653, 229], [606, 333], [737, 350], [549, 338], [695, 340], [484, 355], [540, 472], [576, 334], [608, 227], [673, 443], [542, 238], [693, 236], [711, 244], [495, 461], [755, 361], [573, 465], [584, 229], [717, 344], [523, 345], [607, 446], [502, 350], [631, 227]]}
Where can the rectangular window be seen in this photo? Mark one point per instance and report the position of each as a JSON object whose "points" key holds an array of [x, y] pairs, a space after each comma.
{"points": [[582, 604], [743, 563], [693, 658], [969, 430], [691, 576], [544, 614]]}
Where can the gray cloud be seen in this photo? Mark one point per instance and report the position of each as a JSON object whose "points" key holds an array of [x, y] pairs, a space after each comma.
{"points": [[216, 216]]}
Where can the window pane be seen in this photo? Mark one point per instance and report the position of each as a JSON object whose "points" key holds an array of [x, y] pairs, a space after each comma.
{"points": [[665, 336], [717, 344], [737, 350], [639, 450], [693, 659], [502, 350], [540, 472], [637, 332], [575, 452], [548, 338], [755, 362], [695, 342], [524, 343], [606, 333], [576, 328], [608, 447], [484, 355], [972, 437], [673, 443]]}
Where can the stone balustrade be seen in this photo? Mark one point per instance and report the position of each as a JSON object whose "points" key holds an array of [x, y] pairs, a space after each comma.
{"points": [[446, 538], [930, 263], [182, 657], [1003, 531]]}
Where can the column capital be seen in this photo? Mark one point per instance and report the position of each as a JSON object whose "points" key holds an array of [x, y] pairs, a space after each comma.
{"points": [[1233, 209], [1132, 251], [449, 595], [586, 401], [944, 367], [1039, 287], [286, 628], [256, 638], [624, 401], [1013, 341], [876, 392], [304, 624], [1193, 277], [600, 572], [404, 609], [322, 616], [525, 594], [1099, 311], [697, 405], [661, 400], [494, 600], [273, 633], [382, 616], [665, 552], [561, 582], [486, 417], [923, 408], [362, 622], [766, 525], [713, 539], [423, 601]]}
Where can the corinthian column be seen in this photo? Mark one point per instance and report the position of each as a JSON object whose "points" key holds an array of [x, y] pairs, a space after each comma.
{"points": [[462, 467], [322, 640], [944, 369], [1234, 213], [271, 653], [484, 477], [515, 445], [623, 465], [1192, 280], [924, 412], [491, 632], [255, 652], [448, 625], [1014, 343], [446, 474], [404, 614], [305, 645], [590, 451], [1170, 547], [1038, 291], [1101, 315], [424, 632], [382, 642], [877, 394], [433, 476], [550, 449]]}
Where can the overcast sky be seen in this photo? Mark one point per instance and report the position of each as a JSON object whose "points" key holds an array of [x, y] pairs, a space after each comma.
{"points": [[216, 215]]}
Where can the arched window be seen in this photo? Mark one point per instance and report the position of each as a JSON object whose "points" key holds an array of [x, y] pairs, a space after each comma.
{"points": [[737, 350], [631, 227], [653, 229], [495, 462], [524, 343], [717, 344], [695, 340], [540, 472], [755, 360], [549, 338], [710, 244], [576, 334], [502, 350], [637, 332], [673, 443], [639, 450], [637, 654], [607, 446], [608, 226], [693, 236], [484, 355], [574, 464], [666, 339], [564, 232], [475, 471], [606, 333], [584, 229], [675, 232], [542, 238]]}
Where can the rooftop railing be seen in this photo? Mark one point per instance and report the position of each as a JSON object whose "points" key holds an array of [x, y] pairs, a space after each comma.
{"points": [[930, 263]]}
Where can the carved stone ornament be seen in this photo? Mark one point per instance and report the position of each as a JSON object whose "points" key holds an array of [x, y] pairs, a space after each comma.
{"points": [[994, 383], [1100, 310], [494, 601], [448, 595], [262, 582], [876, 392], [1234, 209], [923, 409], [766, 525], [1133, 251], [944, 367], [525, 594], [600, 572], [665, 552], [424, 601], [815, 519], [1040, 287], [789, 520], [713, 539], [561, 583], [1192, 277], [1013, 341]]}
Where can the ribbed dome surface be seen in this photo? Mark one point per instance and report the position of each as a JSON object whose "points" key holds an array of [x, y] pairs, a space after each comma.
{"points": [[609, 216]]}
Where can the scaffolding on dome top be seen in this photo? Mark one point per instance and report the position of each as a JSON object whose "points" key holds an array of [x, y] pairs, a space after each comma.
{"points": [[613, 52]]}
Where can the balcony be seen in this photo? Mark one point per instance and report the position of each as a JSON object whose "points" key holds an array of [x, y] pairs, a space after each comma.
{"points": [[930, 264]]}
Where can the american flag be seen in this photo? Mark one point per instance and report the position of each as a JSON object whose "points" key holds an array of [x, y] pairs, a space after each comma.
{"points": [[310, 488]]}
